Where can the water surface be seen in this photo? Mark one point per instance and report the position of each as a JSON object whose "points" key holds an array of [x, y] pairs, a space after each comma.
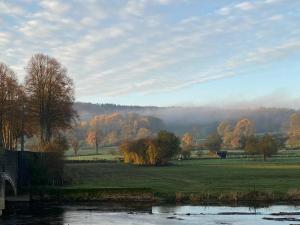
{"points": [[175, 215]]}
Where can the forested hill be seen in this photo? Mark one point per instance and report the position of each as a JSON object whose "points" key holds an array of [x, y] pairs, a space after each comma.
{"points": [[88, 110], [181, 119]]}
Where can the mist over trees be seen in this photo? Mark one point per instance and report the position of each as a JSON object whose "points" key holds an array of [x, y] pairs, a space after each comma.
{"points": [[234, 126], [235, 138], [199, 121], [112, 129]]}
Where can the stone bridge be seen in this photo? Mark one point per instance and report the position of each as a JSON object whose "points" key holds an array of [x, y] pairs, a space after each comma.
{"points": [[14, 174]]}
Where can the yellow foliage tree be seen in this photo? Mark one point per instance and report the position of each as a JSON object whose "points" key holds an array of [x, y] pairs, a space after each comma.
{"points": [[243, 129], [187, 143], [294, 131]]}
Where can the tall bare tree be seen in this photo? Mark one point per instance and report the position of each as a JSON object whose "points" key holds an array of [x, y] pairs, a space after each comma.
{"points": [[50, 96], [12, 99]]}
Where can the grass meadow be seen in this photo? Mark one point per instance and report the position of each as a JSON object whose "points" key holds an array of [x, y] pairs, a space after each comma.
{"points": [[278, 178], [191, 176]]}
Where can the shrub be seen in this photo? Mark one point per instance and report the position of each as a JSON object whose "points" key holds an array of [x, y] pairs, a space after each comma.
{"points": [[46, 167], [151, 151]]}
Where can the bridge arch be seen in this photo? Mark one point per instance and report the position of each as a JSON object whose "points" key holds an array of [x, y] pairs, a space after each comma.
{"points": [[8, 179]]}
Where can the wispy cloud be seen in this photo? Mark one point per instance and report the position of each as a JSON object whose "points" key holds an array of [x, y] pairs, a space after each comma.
{"points": [[10, 9], [114, 48], [245, 6], [55, 6]]}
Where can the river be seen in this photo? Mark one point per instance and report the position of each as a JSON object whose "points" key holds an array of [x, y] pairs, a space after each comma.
{"points": [[162, 215]]}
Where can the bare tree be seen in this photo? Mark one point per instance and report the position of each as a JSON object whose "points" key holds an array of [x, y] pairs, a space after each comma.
{"points": [[50, 96], [12, 98]]}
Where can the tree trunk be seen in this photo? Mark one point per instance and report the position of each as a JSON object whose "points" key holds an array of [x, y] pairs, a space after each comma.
{"points": [[1, 135], [97, 146], [22, 128]]}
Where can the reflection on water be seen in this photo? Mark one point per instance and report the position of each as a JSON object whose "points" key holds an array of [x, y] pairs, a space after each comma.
{"points": [[175, 215]]}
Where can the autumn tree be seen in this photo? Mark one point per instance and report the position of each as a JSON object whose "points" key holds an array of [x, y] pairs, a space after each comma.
{"points": [[151, 151], [135, 152], [93, 138], [213, 142], [252, 145], [112, 138], [225, 131], [187, 143], [267, 146], [294, 131], [223, 128], [50, 97], [168, 145], [143, 133], [243, 129], [228, 135], [12, 101], [112, 129]]}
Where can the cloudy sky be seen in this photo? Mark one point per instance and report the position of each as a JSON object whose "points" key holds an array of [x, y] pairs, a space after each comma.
{"points": [[162, 52]]}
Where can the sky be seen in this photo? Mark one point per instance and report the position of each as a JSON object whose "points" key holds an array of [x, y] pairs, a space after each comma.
{"points": [[162, 52]]}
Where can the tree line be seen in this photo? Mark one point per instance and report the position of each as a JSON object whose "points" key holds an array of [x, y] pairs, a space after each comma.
{"points": [[236, 138], [243, 137], [112, 129], [40, 108]]}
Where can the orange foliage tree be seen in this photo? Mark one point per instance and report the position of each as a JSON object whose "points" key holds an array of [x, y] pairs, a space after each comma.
{"points": [[151, 151], [243, 129]]}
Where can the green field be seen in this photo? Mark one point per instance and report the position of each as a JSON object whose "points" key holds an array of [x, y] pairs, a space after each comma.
{"points": [[112, 154], [89, 154], [277, 179], [192, 176]]}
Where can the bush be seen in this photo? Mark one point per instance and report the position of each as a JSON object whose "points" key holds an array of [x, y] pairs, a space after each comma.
{"points": [[151, 151], [46, 167]]}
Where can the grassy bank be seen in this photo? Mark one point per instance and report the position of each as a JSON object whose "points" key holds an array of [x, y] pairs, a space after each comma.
{"points": [[197, 180], [92, 194]]}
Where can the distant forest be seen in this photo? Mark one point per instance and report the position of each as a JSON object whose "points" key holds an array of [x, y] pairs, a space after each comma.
{"points": [[197, 120]]}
